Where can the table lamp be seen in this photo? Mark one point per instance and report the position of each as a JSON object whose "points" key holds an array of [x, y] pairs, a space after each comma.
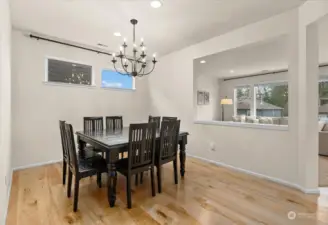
{"points": [[225, 101]]}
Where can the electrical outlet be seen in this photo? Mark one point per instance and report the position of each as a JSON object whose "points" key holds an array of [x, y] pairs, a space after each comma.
{"points": [[212, 146]]}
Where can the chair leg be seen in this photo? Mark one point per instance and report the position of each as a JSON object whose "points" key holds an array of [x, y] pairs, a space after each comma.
{"points": [[141, 177], [64, 171], [128, 191], [175, 168], [159, 179], [152, 178], [99, 179], [76, 193], [136, 179], [69, 183]]}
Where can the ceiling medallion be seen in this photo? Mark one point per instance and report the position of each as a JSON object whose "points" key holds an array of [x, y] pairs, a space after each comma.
{"points": [[133, 66]]}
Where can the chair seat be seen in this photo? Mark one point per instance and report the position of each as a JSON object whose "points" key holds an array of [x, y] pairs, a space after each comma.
{"points": [[122, 167], [92, 165]]}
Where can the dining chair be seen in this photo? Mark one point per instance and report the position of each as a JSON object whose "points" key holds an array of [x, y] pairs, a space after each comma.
{"points": [[167, 149], [89, 154], [93, 123], [168, 118], [114, 123], [155, 119], [141, 155], [80, 168]]}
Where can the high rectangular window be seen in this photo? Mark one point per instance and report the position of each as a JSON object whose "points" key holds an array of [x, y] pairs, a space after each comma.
{"points": [[61, 71], [113, 79]]}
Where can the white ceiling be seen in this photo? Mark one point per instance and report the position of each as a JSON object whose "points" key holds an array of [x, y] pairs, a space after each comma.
{"points": [[179, 23], [267, 55]]}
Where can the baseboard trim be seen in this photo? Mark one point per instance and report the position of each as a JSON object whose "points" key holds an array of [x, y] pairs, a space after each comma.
{"points": [[37, 165], [273, 179]]}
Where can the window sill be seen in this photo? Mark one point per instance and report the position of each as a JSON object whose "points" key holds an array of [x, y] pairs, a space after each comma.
{"points": [[117, 89], [68, 85], [243, 125]]}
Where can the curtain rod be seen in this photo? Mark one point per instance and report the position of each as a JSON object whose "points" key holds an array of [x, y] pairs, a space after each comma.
{"points": [[268, 72], [68, 44]]}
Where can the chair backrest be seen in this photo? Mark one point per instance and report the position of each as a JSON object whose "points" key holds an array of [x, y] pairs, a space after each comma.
{"points": [[114, 123], [169, 137], [155, 119], [142, 138], [167, 118], [72, 157], [63, 139], [93, 123]]}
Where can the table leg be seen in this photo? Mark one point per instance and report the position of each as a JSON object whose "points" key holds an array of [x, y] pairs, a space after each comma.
{"points": [[81, 147], [112, 179], [183, 143]]}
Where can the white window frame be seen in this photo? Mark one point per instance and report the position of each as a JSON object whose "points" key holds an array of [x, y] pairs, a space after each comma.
{"points": [[46, 79], [253, 107], [114, 88], [235, 99]]}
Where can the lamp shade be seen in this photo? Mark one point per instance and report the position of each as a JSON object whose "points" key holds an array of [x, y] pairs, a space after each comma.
{"points": [[226, 101]]}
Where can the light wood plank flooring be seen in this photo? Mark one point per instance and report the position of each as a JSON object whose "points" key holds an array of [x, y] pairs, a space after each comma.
{"points": [[323, 171], [208, 195]]}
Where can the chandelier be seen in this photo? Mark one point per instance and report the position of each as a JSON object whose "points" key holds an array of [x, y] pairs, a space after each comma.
{"points": [[135, 66]]}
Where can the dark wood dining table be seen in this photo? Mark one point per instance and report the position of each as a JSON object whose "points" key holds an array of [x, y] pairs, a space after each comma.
{"points": [[114, 142]]}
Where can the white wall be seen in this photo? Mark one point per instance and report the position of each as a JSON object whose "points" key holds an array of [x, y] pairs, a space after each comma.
{"points": [[5, 106], [266, 152], [38, 107]]}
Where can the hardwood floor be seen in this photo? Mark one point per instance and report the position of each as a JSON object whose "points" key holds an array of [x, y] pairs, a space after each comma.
{"points": [[323, 171], [208, 195]]}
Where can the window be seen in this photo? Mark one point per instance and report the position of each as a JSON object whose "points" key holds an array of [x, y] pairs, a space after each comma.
{"points": [[68, 72], [113, 79], [323, 100], [243, 100], [272, 100]]}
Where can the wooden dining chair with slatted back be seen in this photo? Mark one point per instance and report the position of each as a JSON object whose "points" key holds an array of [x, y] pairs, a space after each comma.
{"points": [[167, 149], [93, 124], [168, 118], [80, 168], [141, 155], [89, 154], [114, 124], [155, 119]]}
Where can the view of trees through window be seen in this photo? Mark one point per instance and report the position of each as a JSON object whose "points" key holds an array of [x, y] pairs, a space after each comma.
{"points": [[272, 100], [243, 100], [323, 100]]}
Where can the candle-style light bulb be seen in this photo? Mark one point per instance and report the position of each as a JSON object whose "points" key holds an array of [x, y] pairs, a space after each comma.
{"points": [[121, 48], [142, 40], [124, 39], [114, 55], [144, 60], [154, 55], [143, 48]]}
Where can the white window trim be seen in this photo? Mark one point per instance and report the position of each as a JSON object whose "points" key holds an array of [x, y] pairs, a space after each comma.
{"points": [[114, 88], [253, 89], [46, 80]]}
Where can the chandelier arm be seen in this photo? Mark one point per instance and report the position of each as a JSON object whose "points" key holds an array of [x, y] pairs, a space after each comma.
{"points": [[151, 70], [124, 67], [127, 73]]}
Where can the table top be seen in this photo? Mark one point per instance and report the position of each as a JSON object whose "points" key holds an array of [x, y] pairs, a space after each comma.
{"points": [[113, 138]]}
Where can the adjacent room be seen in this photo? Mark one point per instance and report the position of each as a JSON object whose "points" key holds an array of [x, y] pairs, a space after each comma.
{"points": [[164, 112]]}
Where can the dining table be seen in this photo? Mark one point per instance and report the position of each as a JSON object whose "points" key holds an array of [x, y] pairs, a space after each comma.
{"points": [[112, 143]]}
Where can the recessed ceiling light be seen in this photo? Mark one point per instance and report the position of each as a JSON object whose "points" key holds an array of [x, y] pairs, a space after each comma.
{"points": [[117, 34], [156, 3], [232, 71], [203, 61]]}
